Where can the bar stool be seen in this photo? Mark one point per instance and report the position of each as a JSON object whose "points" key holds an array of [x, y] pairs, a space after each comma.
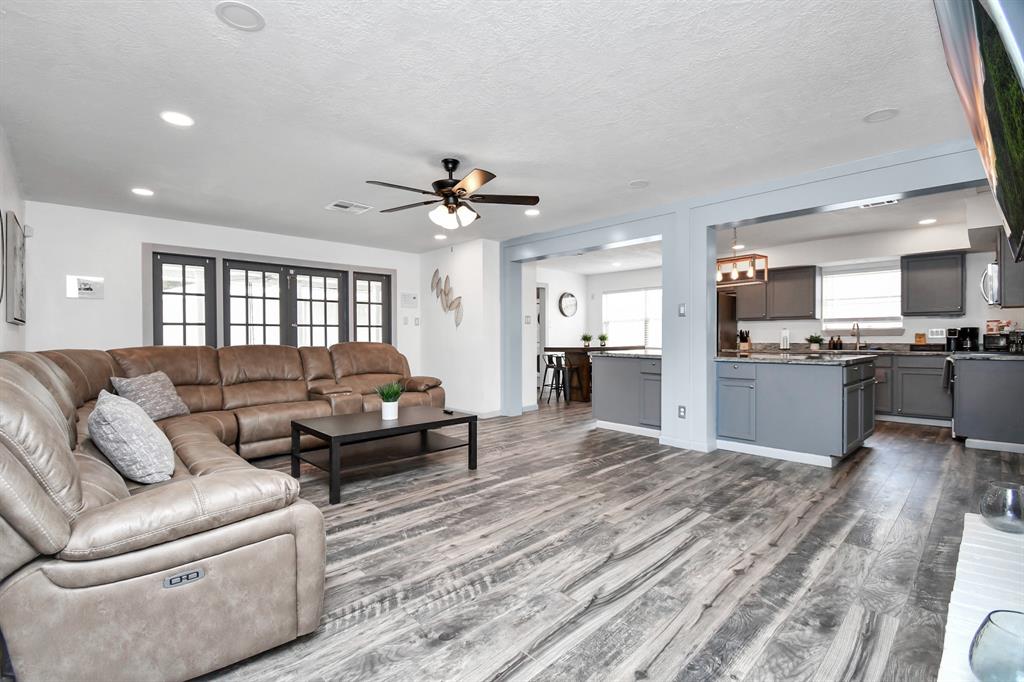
{"points": [[549, 366]]}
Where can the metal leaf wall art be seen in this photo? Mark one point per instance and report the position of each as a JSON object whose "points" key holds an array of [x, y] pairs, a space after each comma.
{"points": [[444, 293]]}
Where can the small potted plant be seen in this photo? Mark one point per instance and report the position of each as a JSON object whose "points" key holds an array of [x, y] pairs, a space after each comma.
{"points": [[603, 338], [586, 338], [389, 395], [815, 341]]}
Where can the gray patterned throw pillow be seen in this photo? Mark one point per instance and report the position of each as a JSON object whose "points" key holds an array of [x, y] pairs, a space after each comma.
{"points": [[154, 393], [131, 441]]}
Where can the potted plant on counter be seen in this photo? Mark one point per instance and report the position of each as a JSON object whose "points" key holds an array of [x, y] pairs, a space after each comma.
{"points": [[815, 341], [586, 338], [603, 338], [389, 395]]}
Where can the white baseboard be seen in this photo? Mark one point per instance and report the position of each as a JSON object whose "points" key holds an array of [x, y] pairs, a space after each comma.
{"points": [[912, 420], [627, 428], [529, 408], [685, 444], [979, 444], [776, 453], [479, 415]]}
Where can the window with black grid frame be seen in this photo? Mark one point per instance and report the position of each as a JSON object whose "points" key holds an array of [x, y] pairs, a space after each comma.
{"points": [[184, 303], [372, 307]]}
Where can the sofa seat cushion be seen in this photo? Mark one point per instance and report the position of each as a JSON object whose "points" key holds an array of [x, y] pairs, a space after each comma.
{"points": [[420, 383], [199, 449], [265, 422], [126, 435], [341, 403], [371, 402], [366, 384], [153, 392], [221, 423], [328, 387]]}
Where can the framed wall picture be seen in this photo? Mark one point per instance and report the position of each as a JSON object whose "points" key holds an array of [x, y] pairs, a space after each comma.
{"points": [[14, 269]]}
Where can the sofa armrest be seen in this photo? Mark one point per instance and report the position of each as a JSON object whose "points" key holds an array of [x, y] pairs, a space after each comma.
{"points": [[329, 390], [420, 384], [177, 509]]}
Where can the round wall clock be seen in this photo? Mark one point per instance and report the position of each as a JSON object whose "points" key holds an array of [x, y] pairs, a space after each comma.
{"points": [[567, 304]]}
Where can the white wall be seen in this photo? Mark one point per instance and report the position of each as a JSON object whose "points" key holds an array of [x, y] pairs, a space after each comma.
{"points": [[530, 331], [648, 278], [466, 358], [886, 245], [12, 336], [78, 241], [562, 330]]}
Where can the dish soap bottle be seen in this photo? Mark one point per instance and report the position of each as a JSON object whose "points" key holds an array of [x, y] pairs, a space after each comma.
{"points": [[784, 340]]}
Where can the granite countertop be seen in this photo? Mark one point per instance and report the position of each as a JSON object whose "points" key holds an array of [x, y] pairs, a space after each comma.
{"points": [[639, 353], [840, 360], [987, 356]]}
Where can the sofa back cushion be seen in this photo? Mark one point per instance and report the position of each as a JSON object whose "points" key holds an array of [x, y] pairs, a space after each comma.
{"points": [[316, 363], [261, 375], [40, 484], [194, 371], [46, 372], [367, 358], [89, 371]]}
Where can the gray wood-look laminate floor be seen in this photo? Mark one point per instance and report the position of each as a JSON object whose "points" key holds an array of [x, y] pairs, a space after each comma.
{"points": [[581, 554]]}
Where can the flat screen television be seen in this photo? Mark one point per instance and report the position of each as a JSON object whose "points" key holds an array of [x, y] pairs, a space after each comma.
{"points": [[982, 40]]}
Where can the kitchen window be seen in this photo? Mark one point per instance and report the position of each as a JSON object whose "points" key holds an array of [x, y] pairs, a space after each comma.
{"points": [[632, 318], [868, 294], [184, 305]]}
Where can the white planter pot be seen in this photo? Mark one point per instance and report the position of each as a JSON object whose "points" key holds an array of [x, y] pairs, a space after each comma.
{"points": [[389, 411], [815, 347]]}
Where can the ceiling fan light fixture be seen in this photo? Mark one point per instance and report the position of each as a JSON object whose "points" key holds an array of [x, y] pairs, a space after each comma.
{"points": [[465, 215], [442, 217]]}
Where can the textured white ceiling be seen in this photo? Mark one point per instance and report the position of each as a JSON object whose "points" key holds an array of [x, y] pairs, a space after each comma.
{"points": [[948, 208], [568, 100], [634, 257]]}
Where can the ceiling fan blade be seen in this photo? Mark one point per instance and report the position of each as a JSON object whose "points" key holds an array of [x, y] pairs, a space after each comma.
{"points": [[520, 199], [475, 180], [394, 186], [418, 203]]}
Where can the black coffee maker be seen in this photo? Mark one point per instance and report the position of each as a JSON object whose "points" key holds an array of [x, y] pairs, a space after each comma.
{"points": [[952, 339], [967, 339]]}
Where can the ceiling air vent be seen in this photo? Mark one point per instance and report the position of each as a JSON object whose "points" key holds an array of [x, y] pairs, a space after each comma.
{"points": [[348, 207], [883, 202]]}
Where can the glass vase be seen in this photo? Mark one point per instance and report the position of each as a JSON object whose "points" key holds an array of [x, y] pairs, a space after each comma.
{"points": [[997, 650], [1000, 507]]}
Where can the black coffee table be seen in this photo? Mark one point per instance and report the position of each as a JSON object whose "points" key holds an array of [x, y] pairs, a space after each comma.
{"points": [[367, 434]]}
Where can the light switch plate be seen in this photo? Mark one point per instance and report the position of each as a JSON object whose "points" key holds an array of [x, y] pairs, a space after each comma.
{"points": [[527, 319], [682, 310], [936, 333], [682, 412]]}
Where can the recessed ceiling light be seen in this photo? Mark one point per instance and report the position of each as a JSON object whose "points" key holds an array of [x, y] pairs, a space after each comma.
{"points": [[879, 115], [638, 184], [176, 118], [928, 221], [616, 265], [532, 212], [240, 15], [439, 237], [142, 191]]}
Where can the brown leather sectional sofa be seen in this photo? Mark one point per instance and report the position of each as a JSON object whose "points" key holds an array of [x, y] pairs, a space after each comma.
{"points": [[101, 577]]}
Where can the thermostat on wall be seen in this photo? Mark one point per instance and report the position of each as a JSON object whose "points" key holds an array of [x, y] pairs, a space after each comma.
{"points": [[410, 300]]}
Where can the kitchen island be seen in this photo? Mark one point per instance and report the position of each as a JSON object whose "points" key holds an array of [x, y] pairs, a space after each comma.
{"points": [[627, 390], [579, 357], [814, 408]]}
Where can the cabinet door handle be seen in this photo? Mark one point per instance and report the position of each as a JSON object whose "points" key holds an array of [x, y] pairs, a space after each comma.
{"points": [[735, 366], [750, 386]]}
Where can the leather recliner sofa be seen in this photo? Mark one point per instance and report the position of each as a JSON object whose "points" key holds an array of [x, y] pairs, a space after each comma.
{"points": [[102, 577]]}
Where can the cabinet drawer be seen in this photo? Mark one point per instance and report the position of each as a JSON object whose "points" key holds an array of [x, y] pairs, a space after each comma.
{"points": [[883, 361], [737, 370], [921, 361], [857, 373], [652, 366]]}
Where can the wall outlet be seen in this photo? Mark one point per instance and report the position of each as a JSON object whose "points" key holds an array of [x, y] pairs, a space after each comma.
{"points": [[416, 321], [682, 412], [527, 319], [682, 310], [936, 333]]}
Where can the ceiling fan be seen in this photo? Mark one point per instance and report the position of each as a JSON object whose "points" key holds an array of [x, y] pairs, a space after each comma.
{"points": [[454, 196]]}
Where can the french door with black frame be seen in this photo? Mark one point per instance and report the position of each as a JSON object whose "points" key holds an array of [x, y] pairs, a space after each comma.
{"points": [[372, 307], [184, 300], [277, 304]]}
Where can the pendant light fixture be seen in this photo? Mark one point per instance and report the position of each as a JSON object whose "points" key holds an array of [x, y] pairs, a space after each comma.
{"points": [[740, 270], [453, 216]]}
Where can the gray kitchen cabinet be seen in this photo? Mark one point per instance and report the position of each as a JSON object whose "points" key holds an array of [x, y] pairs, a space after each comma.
{"points": [[883, 390], [737, 409], [616, 389], [650, 400], [1011, 275], [989, 400], [919, 393], [867, 408], [853, 418], [794, 293], [752, 302], [933, 284]]}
